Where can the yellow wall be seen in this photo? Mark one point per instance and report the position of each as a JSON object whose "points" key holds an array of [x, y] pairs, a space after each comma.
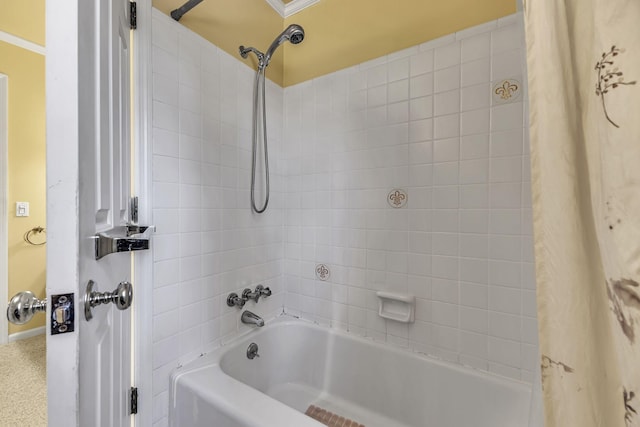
{"points": [[231, 23], [338, 33], [24, 19], [27, 161]]}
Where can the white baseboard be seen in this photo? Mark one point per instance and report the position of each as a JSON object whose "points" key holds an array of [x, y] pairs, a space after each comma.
{"points": [[27, 334]]}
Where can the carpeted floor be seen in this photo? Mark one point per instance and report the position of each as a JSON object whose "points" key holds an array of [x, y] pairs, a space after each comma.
{"points": [[23, 383]]}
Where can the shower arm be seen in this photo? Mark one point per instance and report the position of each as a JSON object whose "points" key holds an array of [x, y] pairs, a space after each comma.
{"points": [[244, 52], [178, 13]]}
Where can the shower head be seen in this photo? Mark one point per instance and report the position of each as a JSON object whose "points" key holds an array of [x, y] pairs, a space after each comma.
{"points": [[294, 33]]}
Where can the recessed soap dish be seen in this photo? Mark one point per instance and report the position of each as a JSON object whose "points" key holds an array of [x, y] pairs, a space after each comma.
{"points": [[398, 307]]}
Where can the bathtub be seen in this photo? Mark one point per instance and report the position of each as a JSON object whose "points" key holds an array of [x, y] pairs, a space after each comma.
{"points": [[302, 364]]}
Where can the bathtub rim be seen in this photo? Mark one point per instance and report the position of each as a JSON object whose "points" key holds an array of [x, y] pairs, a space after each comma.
{"points": [[215, 356]]}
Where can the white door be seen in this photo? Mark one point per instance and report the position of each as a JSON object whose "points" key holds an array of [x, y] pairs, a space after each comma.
{"points": [[105, 340], [88, 107]]}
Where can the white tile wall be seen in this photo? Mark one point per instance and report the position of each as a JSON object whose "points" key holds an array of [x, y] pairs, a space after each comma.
{"points": [[207, 242], [422, 121]]}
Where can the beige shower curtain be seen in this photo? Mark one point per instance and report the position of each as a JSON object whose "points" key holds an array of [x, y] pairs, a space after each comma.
{"points": [[583, 64]]}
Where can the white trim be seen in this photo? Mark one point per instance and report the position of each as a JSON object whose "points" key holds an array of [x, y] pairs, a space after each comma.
{"points": [[286, 10], [296, 6], [30, 333], [20, 42], [63, 108], [277, 5], [4, 166], [143, 260]]}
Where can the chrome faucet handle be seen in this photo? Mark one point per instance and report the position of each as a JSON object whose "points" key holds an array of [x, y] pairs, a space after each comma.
{"points": [[247, 295], [262, 291], [233, 300]]}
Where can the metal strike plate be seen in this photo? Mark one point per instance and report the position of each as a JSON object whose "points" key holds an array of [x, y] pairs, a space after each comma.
{"points": [[62, 314], [121, 239]]}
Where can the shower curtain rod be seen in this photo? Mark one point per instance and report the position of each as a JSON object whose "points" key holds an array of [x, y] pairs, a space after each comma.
{"points": [[179, 12]]}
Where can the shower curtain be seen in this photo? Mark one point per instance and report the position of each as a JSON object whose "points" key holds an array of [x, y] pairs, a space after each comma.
{"points": [[584, 80]]}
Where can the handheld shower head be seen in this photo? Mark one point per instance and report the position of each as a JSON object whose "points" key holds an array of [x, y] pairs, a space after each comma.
{"points": [[294, 33]]}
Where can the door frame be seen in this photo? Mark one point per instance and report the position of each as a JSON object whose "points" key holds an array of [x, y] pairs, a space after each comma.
{"points": [[4, 204], [142, 187], [63, 247]]}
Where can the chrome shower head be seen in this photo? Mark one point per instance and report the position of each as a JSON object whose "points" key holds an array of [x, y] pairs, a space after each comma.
{"points": [[294, 33]]}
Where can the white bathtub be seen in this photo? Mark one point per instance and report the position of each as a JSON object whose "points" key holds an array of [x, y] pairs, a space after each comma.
{"points": [[374, 384]]}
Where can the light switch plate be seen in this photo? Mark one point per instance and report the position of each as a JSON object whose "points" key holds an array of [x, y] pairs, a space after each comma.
{"points": [[22, 208]]}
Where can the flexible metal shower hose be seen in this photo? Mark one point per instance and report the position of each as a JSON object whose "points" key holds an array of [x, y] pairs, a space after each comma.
{"points": [[259, 89]]}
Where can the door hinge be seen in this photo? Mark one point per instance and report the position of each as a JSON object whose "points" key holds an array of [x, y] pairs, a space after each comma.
{"points": [[133, 210], [133, 15], [133, 401]]}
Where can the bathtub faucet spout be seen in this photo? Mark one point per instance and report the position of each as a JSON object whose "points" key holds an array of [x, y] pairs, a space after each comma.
{"points": [[250, 318]]}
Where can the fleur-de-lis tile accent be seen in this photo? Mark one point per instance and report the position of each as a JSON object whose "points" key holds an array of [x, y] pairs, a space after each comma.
{"points": [[397, 198], [506, 90], [322, 272]]}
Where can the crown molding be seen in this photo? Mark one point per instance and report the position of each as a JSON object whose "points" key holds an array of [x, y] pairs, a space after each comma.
{"points": [[277, 5], [286, 10], [296, 6]]}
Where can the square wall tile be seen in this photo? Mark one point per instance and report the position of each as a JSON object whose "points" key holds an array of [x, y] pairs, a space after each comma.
{"points": [[447, 56], [447, 79], [475, 72], [476, 47]]}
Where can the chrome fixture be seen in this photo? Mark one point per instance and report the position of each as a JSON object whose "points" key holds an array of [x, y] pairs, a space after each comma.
{"points": [[62, 313], [179, 12], [260, 291], [133, 229], [250, 318], [233, 300], [295, 34], [23, 306], [264, 292], [108, 244], [247, 295], [252, 351], [122, 297]]}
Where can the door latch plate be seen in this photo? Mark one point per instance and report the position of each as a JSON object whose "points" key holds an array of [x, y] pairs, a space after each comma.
{"points": [[62, 314]]}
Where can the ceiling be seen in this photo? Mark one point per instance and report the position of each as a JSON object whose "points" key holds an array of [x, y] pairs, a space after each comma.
{"points": [[338, 33]]}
